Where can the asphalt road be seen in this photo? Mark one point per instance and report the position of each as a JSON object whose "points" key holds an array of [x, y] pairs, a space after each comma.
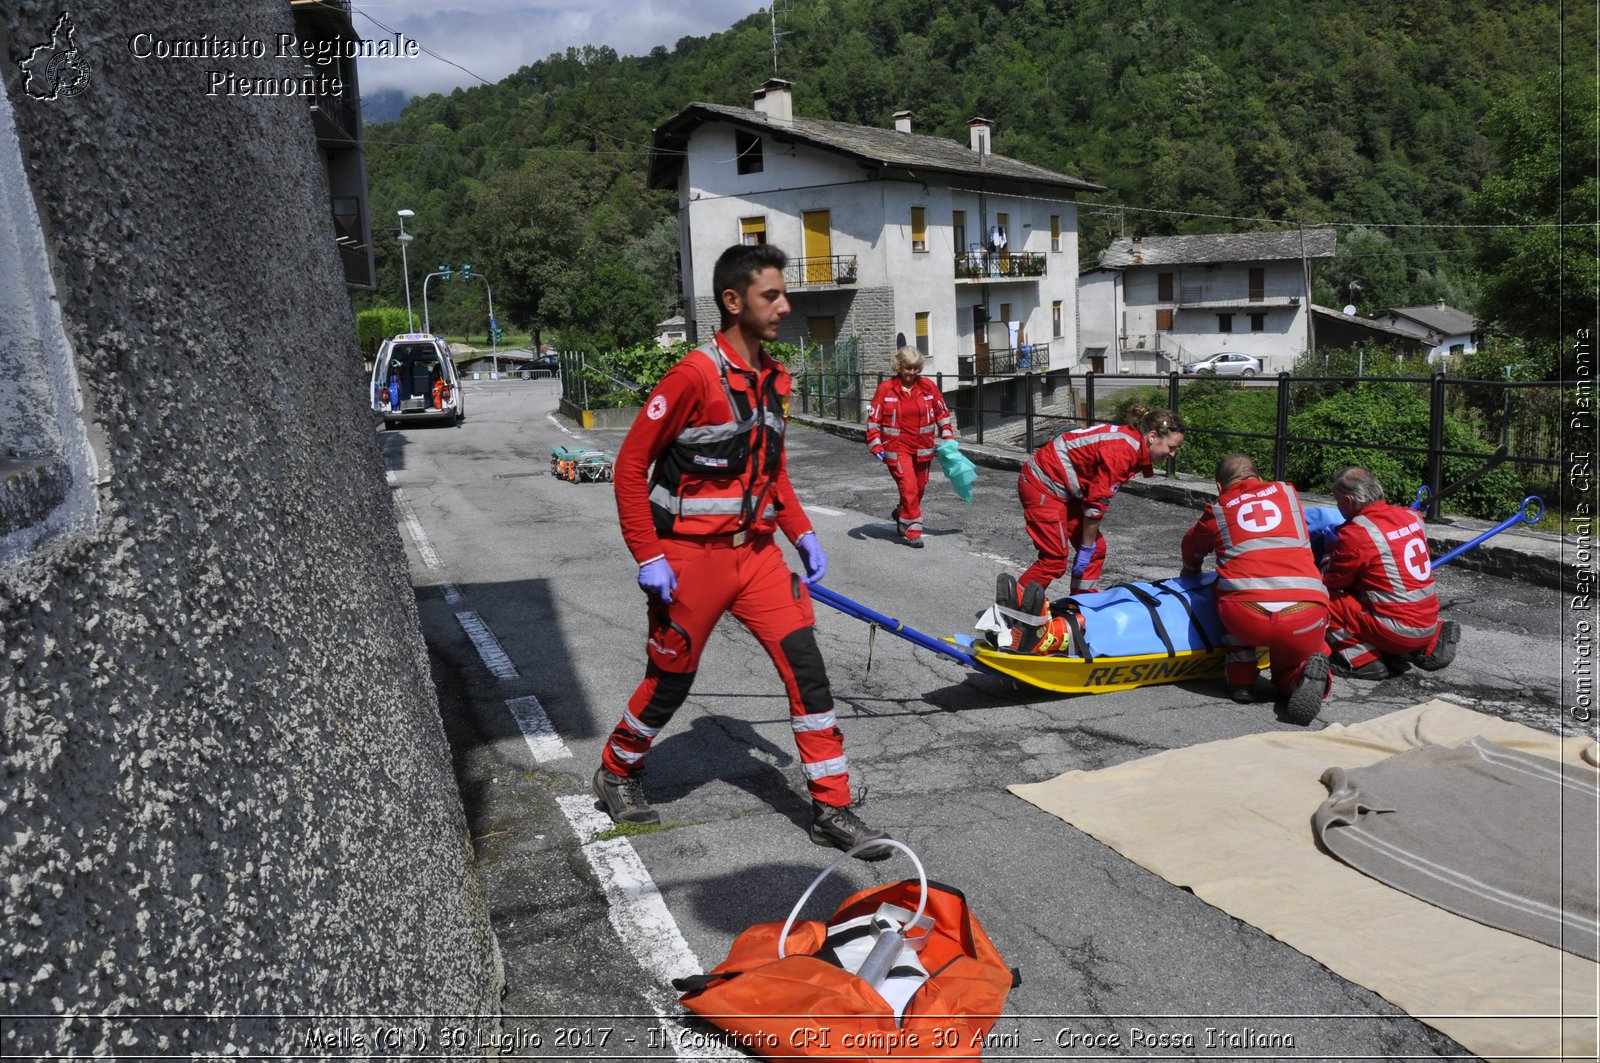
{"points": [[1104, 946]]}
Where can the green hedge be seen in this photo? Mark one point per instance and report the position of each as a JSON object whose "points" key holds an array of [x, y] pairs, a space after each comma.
{"points": [[378, 324]]}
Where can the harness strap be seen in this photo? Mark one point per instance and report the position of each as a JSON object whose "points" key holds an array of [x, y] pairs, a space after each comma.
{"points": [[1194, 621], [1148, 600], [1080, 644]]}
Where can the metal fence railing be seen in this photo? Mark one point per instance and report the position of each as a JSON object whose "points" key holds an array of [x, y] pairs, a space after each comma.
{"points": [[1025, 410]]}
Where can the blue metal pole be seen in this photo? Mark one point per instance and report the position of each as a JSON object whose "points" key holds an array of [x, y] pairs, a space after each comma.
{"points": [[893, 626], [1520, 516]]}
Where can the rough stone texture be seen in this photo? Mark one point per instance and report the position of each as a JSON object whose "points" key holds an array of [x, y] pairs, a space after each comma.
{"points": [[225, 784], [866, 313]]}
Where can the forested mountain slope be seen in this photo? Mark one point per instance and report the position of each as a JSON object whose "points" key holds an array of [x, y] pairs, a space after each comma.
{"points": [[1413, 128]]}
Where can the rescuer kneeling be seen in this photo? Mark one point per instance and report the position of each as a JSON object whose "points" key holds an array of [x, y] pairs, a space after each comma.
{"points": [[701, 488]]}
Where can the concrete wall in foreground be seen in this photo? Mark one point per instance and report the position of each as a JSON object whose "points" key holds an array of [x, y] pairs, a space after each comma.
{"points": [[225, 786]]}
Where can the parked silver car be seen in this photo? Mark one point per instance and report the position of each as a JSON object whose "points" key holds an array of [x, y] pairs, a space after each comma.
{"points": [[1226, 363], [414, 379]]}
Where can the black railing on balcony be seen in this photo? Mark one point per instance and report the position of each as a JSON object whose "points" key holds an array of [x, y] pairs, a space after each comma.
{"points": [[1028, 357], [999, 265], [819, 270]]}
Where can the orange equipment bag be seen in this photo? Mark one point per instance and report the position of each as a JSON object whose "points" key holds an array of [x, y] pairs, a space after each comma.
{"points": [[787, 993]]}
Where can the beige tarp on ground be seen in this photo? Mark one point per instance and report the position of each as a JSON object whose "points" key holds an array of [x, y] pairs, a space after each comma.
{"points": [[1232, 821]]}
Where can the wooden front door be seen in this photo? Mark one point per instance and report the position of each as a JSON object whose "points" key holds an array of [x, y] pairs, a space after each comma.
{"points": [[818, 248]]}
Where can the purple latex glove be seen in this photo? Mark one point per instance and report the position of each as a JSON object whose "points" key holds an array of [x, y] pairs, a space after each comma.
{"points": [[1085, 554], [656, 577], [816, 561]]}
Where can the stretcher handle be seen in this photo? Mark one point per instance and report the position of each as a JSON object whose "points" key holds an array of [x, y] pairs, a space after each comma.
{"points": [[1522, 515], [891, 625], [922, 877]]}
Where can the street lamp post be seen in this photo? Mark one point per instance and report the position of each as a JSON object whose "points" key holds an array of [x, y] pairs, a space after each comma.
{"points": [[405, 269]]}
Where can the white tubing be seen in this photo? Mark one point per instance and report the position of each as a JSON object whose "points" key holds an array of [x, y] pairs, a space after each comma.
{"points": [[922, 878]]}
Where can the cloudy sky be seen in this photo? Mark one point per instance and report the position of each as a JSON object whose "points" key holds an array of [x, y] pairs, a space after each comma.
{"points": [[492, 38]]}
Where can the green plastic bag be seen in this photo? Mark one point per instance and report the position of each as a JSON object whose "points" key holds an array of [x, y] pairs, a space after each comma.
{"points": [[957, 467]]}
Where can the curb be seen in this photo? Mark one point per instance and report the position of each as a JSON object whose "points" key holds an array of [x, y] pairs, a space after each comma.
{"points": [[1516, 553]]}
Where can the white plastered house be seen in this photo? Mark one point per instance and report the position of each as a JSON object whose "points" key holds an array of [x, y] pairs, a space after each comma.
{"points": [[888, 233], [1444, 329], [1155, 303]]}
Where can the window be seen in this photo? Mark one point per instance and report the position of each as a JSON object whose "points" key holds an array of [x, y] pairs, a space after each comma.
{"points": [[1164, 288], [1055, 235], [958, 230], [1224, 322], [1164, 320], [922, 332], [1258, 284], [1258, 322], [1005, 311], [919, 229], [1055, 319], [747, 151], [752, 231], [821, 330]]}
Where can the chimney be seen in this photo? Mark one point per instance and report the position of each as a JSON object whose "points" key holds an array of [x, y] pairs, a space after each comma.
{"points": [[902, 121], [980, 129], [776, 101], [1439, 305], [1138, 250]]}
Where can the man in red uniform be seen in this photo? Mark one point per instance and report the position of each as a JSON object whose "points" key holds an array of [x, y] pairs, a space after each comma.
{"points": [[1068, 483], [907, 413], [701, 488], [1268, 590], [1381, 579]]}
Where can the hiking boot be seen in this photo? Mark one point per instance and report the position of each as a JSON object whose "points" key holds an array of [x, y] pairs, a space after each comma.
{"points": [[1302, 706], [1243, 695], [913, 541], [623, 796], [841, 828], [1444, 649], [1034, 603], [1373, 669]]}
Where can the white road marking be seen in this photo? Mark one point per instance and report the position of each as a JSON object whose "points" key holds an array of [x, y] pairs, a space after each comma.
{"points": [[430, 557], [640, 917], [537, 730], [494, 658], [825, 510], [553, 419]]}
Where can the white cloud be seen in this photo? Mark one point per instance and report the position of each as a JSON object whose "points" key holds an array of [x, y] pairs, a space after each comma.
{"points": [[496, 37]]}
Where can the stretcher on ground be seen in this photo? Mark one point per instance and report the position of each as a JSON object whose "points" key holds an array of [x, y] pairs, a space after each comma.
{"points": [[1130, 635], [577, 465]]}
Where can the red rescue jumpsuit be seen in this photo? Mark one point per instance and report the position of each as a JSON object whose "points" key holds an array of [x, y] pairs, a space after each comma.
{"points": [[1070, 478], [700, 481], [901, 425], [1381, 577], [1268, 590]]}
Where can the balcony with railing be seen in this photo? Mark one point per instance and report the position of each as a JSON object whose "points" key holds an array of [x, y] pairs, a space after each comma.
{"points": [[1004, 361], [818, 271], [987, 267], [1224, 296]]}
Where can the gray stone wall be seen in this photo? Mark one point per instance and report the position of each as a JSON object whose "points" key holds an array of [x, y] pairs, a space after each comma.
{"points": [[225, 783]]}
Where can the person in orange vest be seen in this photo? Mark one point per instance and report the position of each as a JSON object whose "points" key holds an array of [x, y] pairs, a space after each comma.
{"points": [[1068, 483], [1384, 613], [701, 489], [906, 414], [1268, 591]]}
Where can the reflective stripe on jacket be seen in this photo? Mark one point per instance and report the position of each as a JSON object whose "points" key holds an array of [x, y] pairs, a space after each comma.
{"points": [[1090, 464], [1381, 557], [908, 422], [716, 476], [1263, 551]]}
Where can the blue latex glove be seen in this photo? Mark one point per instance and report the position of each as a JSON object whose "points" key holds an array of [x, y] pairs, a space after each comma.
{"points": [[1085, 554], [656, 577], [881, 456], [811, 554]]}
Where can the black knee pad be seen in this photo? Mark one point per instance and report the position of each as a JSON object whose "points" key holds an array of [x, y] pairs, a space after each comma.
{"points": [[671, 690], [804, 659]]}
